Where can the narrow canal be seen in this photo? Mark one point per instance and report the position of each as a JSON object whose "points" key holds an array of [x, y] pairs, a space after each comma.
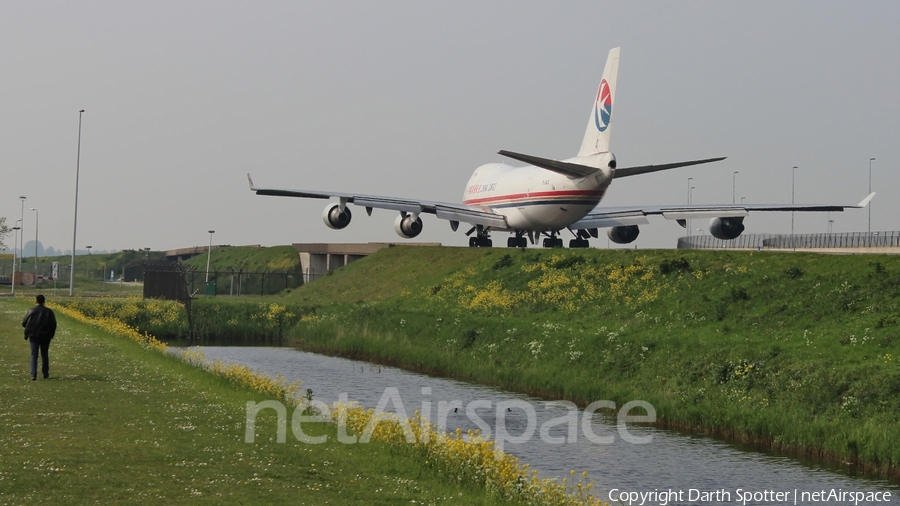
{"points": [[662, 461]]}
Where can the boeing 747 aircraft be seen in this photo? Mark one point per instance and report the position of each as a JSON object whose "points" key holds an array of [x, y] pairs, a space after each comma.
{"points": [[548, 196]]}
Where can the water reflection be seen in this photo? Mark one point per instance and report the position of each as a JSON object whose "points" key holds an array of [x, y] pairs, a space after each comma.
{"points": [[672, 461]]}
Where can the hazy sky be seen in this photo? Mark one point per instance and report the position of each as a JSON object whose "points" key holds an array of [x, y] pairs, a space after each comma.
{"points": [[184, 98]]}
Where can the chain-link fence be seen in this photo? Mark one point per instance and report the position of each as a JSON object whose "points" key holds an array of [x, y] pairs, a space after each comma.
{"points": [[241, 283], [234, 282], [847, 240], [44, 272]]}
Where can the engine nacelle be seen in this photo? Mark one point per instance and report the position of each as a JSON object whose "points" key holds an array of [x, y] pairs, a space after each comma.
{"points": [[407, 227], [726, 228], [335, 218], [623, 235]]}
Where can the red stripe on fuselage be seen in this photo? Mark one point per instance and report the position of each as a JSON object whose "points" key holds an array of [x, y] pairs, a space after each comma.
{"points": [[535, 195]]}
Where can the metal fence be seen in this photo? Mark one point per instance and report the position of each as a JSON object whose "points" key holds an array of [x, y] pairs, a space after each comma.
{"points": [[847, 240], [44, 272], [226, 281], [240, 283]]}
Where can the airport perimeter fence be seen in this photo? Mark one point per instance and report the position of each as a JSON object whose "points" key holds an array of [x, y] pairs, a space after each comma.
{"points": [[237, 282], [234, 282], [133, 271], [848, 240], [44, 273]]}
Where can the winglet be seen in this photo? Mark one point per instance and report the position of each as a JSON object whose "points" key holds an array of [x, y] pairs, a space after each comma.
{"points": [[865, 201], [252, 188]]}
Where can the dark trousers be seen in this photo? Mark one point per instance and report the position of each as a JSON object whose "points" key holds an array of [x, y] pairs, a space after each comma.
{"points": [[44, 347]]}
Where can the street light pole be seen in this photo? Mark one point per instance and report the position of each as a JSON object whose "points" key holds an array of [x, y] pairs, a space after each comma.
{"points": [[792, 203], [688, 224], [209, 254], [75, 226], [869, 237], [22, 231], [733, 181], [37, 222], [690, 201], [15, 246]]}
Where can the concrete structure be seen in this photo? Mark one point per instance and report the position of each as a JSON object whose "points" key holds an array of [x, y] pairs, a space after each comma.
{"points": [[317, 259]]}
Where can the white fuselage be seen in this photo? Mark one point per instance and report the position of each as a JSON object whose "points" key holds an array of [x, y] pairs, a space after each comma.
{"points": [[536, 199]]}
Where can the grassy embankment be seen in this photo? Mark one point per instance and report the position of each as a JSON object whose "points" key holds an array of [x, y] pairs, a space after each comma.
{"points": [[799, 352], [795, 351], [120, 422]]}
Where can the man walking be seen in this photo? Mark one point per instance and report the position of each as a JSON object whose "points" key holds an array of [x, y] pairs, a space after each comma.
{"points": [[40, 327]]}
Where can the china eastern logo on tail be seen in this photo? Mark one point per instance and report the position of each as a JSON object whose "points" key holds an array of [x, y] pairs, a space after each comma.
{"points": [[603, 107]]}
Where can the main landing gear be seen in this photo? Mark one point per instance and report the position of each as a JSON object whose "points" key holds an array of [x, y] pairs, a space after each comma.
{"points": [[553, 241], [579, 243], [517, 241], [480, 242], [580, 240], [482, 238]]}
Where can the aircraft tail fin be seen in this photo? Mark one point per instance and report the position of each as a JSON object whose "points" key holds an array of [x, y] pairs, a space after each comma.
{"points": [[596, 137]]}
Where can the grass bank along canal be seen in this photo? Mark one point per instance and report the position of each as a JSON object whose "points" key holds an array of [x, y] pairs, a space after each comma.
{"points": [[797, 352], [670, 460]]}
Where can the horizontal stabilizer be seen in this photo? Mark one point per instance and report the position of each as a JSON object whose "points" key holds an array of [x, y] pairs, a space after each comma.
{"points": [[644, 169], [564, 168]]}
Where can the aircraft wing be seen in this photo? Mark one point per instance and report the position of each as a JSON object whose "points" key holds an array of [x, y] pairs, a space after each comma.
{"points": [[444, 210], [625, 216]]}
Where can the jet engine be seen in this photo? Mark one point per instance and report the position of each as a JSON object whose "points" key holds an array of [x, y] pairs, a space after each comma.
{"points": [[623, 235], [335, 218], [408, 226], [726, 228]]}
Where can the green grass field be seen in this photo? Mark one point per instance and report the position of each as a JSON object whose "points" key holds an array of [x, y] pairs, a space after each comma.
{"points": [[121, 423], [797, 352]]}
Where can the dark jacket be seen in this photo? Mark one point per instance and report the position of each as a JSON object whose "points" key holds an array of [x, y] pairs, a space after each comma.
{"points": [[40, 323]]}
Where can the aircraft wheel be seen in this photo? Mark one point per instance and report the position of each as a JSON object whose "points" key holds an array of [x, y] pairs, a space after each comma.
{"points": [[517, 242], [473, 242], [579, 243], [553, 242]]}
